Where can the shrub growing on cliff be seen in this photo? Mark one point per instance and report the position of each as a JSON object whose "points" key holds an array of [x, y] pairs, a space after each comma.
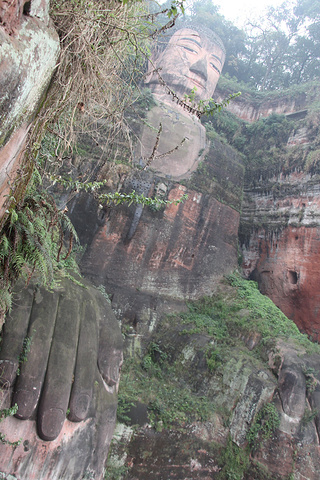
{"points": [[264, 316], [266, 423], [234, 462]]}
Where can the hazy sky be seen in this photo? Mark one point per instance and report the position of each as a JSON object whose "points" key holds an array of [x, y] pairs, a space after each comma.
{"points": [[237, 11]]}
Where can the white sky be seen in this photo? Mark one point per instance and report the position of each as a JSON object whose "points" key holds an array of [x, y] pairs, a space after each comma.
{"points": [[239, 10]]}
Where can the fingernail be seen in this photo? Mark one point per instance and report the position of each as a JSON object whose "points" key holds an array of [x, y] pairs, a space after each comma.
{"points": [[51, 423], [112, 376], [80, 408], [26, 401]]}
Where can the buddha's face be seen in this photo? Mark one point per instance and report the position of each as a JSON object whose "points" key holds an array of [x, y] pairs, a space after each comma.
{"points": [[190, 60]]}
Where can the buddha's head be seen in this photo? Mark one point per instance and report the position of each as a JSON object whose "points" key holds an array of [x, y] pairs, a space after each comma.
{"points": [[193, 57]]}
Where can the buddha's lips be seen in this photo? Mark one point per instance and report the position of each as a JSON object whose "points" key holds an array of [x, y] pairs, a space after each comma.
{"points": [[196, 82]]}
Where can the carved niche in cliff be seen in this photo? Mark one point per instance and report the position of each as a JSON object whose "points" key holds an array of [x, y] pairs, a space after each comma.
{"points": [[148, 260], [143, 257]]}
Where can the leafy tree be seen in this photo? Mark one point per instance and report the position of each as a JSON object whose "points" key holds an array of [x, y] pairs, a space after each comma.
{"points": [[285, 44], [277, 50]]}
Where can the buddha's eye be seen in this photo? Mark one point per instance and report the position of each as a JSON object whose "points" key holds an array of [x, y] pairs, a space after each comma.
{"points": [[189, 49], [214, 67]]}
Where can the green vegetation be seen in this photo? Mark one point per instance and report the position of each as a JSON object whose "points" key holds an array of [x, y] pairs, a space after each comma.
{"points": [[234, 462], [206, 316], [266, 423], [262, 144], [32, 240], [263, 316], [188, 369], [242, 311], [309, 416], [115, 472], [23, 357], [311, 381], [223, 319], [214, 358], [274, 57], [115, 198], [273, 52], [154, 382]]}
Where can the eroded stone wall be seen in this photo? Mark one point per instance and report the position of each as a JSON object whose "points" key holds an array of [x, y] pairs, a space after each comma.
{"points": [[144, 257], [282, 252], [28, 56]]}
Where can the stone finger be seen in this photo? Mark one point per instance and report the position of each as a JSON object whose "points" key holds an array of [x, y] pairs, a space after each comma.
{"points": [[57, 386], [86, 362], [110, 354], [292, 389], [30, 381], [14, 334]]}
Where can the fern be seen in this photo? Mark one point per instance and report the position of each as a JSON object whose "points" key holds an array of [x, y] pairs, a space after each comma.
{"points": [[32, 241], [5, 300], [4, 247]]}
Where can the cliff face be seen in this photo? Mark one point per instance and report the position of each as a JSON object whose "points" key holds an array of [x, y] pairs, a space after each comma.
{"points": [[210, 379], [282, 250], [286, 267], [223, 391], [146, 257], [150, 262], [279, 227], [250, 107], [28, 56]]}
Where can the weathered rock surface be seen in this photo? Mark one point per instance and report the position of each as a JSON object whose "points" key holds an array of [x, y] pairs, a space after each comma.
{"points": [[283, 379], [151, 262], [28, 56], [251, 108], [282, 252], [145, 258], [287, 270]]}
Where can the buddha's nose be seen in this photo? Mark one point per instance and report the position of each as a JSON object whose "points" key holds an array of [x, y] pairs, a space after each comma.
{"points": [[200, 68]]}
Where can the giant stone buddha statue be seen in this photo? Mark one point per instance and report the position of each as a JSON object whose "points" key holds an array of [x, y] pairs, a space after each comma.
{"points": [[146, 260]]}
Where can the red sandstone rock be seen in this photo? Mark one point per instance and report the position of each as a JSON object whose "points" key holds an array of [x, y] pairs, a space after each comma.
{"points": [[277, 454], [80, 449], [168, 255], [173, 254], [78, 368], [27, 59], [283, 256], [177, 254], [286, 267], [11, 14]]}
